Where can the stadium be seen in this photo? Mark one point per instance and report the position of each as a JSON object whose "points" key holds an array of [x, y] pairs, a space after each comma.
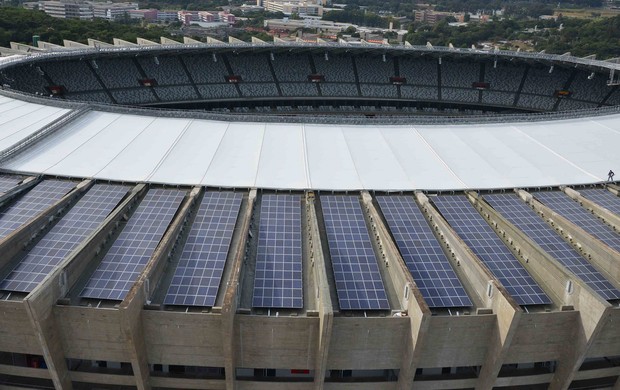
{"points": [[308, 216]]}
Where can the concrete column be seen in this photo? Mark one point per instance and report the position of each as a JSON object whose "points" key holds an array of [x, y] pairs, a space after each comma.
{"points": [[410, 301], [554, 277], [324, 302], [609, 217], [12, 244], [488, 291], [45, 327], [41, 301], [230, 302], [130, 309], [604, 258]]}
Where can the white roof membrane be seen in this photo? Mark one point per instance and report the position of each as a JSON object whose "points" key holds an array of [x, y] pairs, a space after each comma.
{"points": [[320, 156]]}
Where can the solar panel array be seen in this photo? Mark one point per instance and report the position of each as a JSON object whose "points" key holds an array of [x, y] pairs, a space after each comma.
{"points": [[133, 248], [526, 219], [483, 241], [197, 277], [278, 277], [8, 182], [604, 198], [571, 210], [358, 281], [37, 200], [64, 237], [422, 253]]}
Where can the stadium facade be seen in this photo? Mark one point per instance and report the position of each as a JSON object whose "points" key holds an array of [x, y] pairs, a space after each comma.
{"points": [[308, 216]]}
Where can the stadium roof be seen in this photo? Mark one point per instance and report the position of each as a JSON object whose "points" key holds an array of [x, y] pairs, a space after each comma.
{"points": [[129, 147], [190, 148]]}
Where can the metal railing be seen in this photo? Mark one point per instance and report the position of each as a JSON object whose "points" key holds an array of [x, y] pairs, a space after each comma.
{"points": [[40, 134]]}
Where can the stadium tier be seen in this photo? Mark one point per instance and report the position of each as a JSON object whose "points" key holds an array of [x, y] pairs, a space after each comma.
{"points": [[297, 216]]}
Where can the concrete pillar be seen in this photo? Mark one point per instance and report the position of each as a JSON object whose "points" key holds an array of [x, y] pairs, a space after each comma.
{"points": [[12, 244], [410, 301], [609, 217], [230, 302], [130, 309], [41, 301], [489, 291], [324, 302]]}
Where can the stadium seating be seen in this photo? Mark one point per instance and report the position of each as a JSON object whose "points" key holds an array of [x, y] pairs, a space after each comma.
{"points": [[25, 79], [250, 67], [134, 96], [180, 93], [539, 81], [73, 75], [422, 93], [291, 68], [203, 69], [498, 98], [374, 69], [98, 97], [335, 68], [118, 72], [419, 71], [459, 74], [536, 102], [332, 89], [258, 89], [215, 91], [592, 90], [373, 90], [460, 95], [166, 70], [504, 76], [298, 89]]}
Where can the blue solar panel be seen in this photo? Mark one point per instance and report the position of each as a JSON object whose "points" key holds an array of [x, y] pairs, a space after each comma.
{"points": [[133, 248], [37, 200], [358, 281], [603, 198], [278, 278], [526, 219], [197, 277], [8, 182], [481, 239], [64, 237], [571, 210], [422, 253]]}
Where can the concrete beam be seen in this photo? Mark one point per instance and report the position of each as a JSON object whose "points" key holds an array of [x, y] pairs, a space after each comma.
{"points": [[41, 301], [324, 302], [26, 184], [130, 309], [489, 290], [229, 304], [604, 258], [554, 278], [612, 219], [411, 300], [14, 243]]}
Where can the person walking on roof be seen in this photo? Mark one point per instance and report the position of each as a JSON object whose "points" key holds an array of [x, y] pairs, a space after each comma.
{"points": [[610, 175]]}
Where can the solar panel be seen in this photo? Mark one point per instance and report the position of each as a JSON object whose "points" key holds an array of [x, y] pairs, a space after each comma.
{"points": [[278, 277], [603, 198], [8, 182], [133, 248], [526, 219], [358, 280], [571, 210], [83, 218], [197, 277], [37, 200], [483, 241], [422, 253]]}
